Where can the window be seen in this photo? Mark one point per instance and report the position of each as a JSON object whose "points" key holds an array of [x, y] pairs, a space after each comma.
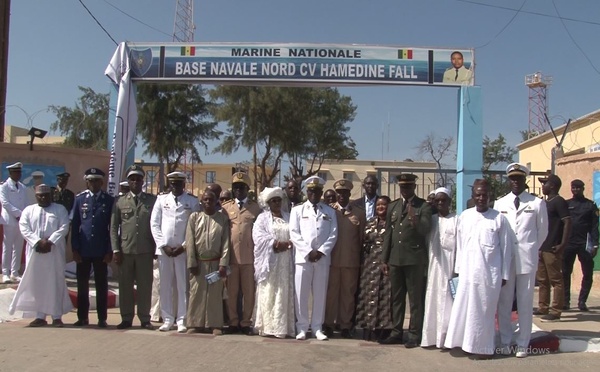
{"points": [[211, 177], [347, 176], [323, 175]]}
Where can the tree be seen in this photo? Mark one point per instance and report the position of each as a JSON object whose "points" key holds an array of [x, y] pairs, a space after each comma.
{"points": [[302, 123], [173, 120], [496, 152], [85, 125], [323, 133], [437, 149]]}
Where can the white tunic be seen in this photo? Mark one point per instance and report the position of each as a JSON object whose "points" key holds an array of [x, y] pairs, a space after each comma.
{"points": [[438, 300], [43, 288], [483, 254], [13, 200], [169, 219]]}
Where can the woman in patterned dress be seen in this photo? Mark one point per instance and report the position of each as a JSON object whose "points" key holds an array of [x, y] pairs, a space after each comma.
{"points": [[374, 312]]}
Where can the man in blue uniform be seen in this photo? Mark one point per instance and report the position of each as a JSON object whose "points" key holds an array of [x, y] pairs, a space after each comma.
{"points": [[90, 240], [584, 217]]}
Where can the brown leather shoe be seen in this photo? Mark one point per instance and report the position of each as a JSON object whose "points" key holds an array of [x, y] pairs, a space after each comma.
{"points": [[58, 323]]}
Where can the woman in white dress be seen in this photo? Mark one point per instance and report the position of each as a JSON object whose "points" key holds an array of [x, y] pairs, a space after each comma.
{"points": [[442, 251], [273, 262]]}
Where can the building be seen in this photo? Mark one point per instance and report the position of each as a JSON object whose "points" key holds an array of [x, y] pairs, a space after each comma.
{"points": [[19, 135], [578, 159], [386, 171], [198, 175]]}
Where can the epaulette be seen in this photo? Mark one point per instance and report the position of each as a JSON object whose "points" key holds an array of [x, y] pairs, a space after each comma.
{"points": [[227, 202], [81, 193], [450, 68], [190, 194], [163, 192]]}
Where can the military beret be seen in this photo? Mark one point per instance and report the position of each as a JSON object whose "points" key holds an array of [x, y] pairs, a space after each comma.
{"points": [[124, 184], [37, 173], [63, 175]]}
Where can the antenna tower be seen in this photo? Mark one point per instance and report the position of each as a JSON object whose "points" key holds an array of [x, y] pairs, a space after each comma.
{"points": [[183, 29], [538, 85]]}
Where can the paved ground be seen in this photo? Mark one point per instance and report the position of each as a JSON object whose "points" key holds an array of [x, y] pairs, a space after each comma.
{"points": [[91, 348]]}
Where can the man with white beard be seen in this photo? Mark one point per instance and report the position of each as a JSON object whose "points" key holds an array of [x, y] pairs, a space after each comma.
{"points": [[483, 257], [43, 290]]}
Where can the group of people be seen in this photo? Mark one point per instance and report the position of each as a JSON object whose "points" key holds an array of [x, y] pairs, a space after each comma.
{"points": [[230, 264]]}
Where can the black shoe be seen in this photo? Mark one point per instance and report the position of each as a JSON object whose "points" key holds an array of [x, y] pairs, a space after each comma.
{"points": [[102, 324], [566, 307], [392, 340], [248, 331], [346, 333], [328, 332], [232, 330], [411, 344], [583, 307], [538, 312], [148, 326], [81, 323], [124, 325]]}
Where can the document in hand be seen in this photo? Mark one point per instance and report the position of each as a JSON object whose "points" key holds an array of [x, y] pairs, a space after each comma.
{"points": [[453, 284]]}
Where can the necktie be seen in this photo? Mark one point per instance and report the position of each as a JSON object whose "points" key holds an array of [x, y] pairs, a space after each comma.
{"points": [[240, 203], [517, 202], [315, 208], [456, 76], [404, 205], [176, 201], [135, 200], [17, 185], [343, 211], [95, 199]]}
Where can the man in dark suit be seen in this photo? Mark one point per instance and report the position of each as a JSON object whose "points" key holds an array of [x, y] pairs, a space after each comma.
{"points": [[404, 259], [133, 249], [90, 240], [367, 202], [60, 194]]}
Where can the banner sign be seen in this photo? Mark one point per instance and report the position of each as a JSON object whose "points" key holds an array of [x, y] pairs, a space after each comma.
{"points": [[300, 64]]}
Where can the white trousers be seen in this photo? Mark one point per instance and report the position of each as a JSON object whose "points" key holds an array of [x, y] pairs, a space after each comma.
{"points": [[12, 249], [311, 278], [173, 271], [524, 283]]}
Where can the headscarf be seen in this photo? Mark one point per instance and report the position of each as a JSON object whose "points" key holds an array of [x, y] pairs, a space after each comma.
{"points": [[269, 193]]}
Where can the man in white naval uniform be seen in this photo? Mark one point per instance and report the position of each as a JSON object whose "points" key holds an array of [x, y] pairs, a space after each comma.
{"points": [[13, 197], [313, 232], [168, 223], [528, 219]]}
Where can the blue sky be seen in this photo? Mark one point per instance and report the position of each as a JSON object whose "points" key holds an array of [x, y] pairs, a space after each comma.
{"points": [[56, 46]]}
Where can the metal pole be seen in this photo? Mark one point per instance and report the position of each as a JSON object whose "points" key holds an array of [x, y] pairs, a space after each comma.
{"points": [[5, 19]]}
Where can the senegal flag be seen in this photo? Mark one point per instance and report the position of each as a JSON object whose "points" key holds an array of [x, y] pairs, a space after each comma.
{"points": [[405, 54], [188, 51]]}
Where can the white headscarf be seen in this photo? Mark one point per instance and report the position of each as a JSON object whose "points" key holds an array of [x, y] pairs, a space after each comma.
{"points": [[444, 190], [269, 193]]}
